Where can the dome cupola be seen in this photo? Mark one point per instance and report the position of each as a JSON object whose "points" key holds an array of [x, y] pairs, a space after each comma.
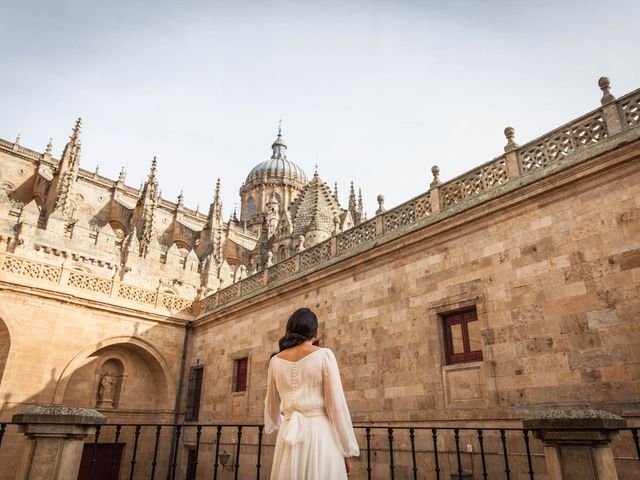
{"points": [[277, 178], [278, 166]]}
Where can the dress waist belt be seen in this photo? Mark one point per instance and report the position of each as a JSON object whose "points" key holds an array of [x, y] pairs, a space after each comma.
{"points": [[298, 424]]}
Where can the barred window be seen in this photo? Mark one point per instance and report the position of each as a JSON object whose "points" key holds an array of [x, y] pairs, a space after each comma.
{"points": [[194, 393]]}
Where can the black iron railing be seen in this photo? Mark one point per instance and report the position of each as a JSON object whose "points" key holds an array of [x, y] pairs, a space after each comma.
{"points": [[389, 451]]}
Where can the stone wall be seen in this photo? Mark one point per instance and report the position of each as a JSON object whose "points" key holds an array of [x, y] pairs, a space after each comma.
{"points": [[56, 349], [553, 270]]}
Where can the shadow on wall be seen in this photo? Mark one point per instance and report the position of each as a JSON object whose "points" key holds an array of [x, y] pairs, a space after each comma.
{"points": [[127, 379]]}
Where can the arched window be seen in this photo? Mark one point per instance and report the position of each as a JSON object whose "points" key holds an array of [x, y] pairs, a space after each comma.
{"points": [[251, 207]]}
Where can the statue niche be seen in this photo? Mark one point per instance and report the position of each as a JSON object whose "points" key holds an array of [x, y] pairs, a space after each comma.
{"points": [[109, 376]]}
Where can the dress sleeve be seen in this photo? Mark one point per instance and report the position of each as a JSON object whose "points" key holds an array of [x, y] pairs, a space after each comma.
{"points": [[336, 406], [272, 417]]}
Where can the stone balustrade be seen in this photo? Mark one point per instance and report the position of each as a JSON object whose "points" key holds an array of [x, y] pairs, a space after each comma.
{"points": [[524, 163], [95, 285]]}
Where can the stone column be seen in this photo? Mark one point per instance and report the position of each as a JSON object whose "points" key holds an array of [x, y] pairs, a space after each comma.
{"points": [[55, 440], [577, 443]]}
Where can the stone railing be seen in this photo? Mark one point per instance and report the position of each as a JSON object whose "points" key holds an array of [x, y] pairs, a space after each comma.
{"points": [[93, 284], [613, 117], [33, 155]]}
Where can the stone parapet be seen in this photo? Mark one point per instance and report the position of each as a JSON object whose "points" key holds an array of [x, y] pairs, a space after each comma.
{"points": [[50, 275], [575, 142]]}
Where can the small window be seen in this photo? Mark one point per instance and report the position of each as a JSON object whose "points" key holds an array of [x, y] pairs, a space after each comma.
{"points": [[462, 339], [194, 393], [251, 207], [240, 375]]}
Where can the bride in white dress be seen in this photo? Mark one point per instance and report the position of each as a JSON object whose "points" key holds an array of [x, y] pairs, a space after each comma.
{"points": [[306, 401]]}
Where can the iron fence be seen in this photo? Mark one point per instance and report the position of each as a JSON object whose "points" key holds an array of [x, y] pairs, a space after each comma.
{"points": [[388, 451]]}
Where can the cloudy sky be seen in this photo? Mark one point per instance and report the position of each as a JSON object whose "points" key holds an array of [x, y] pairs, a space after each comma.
{"points": [[372, 91]]}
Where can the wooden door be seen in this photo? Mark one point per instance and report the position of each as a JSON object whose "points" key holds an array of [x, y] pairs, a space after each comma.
{"points": [[105, 468]]}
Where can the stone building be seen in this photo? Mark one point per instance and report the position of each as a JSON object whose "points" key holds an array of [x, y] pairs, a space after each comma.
{"points": [[510, 288]]}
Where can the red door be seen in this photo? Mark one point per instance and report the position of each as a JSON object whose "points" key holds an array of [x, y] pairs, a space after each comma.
{"points": [[104, 468]]}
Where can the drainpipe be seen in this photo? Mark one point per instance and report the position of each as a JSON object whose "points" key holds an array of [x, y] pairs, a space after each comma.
{"points": [[183, 361]]}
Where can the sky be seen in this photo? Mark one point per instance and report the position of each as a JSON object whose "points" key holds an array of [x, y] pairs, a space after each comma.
{"points": [[371, 91]]}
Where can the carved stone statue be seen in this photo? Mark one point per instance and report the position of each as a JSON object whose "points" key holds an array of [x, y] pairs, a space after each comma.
{"points": [[106, 390]]}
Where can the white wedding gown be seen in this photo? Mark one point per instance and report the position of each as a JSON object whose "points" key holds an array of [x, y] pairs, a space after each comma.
{"points": [[306, 401]]}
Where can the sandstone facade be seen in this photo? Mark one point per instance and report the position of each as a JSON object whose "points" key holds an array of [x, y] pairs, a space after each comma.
{"points": [[541, 243]]}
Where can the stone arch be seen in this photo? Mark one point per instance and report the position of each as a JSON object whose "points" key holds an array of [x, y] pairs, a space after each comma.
{"points": [[6, 188], [80, 268], [118, 228], [5, 346], [153, 383], [183, 247]]}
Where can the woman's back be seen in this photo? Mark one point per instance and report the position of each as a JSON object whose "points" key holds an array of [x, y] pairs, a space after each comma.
{"points": [[300, 382], [305, 398]]}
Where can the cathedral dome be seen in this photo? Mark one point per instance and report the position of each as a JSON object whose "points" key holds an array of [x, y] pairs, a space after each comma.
{"points": [[278, 165]]}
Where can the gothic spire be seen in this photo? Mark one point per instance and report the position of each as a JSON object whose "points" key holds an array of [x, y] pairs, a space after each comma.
{"points": [[215, 209], [352, 199], [67, 171], [70, 159], [150, 190], [147, 204]]}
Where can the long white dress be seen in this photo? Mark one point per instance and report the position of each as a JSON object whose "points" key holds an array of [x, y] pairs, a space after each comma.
{"points": [[306, 401]]}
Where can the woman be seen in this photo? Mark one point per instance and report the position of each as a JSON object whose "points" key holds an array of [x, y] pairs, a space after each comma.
{"points": [[305, 399]]}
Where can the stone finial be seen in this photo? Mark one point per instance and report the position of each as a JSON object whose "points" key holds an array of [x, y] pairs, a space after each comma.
{"points": [[49, 147], [122, 175], [336, 224], [335, 190], [97, 172], [180, 203], [380, 209], [603, 83], [510, 134], [269, 258], [17, 142], [435, 171]]}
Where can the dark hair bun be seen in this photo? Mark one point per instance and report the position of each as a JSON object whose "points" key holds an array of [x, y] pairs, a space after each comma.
{"points": [[301, 326]]}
